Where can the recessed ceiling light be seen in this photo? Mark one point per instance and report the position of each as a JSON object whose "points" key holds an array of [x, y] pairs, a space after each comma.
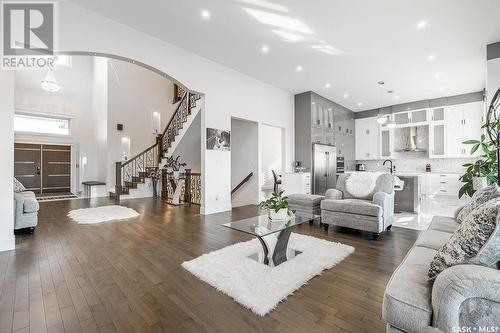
{"points": [[421, 25], [442, 88], [396, 97], [360, 104], [437, 75], [431, 57], [328, 85], [299, 69], [205, 14], [265, 49], [346, 95]]}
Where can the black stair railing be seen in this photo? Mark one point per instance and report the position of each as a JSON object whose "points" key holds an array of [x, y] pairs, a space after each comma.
{"points": [[133, 171]]}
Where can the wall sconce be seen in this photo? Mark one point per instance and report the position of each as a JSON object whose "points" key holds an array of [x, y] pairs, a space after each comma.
{"points": [[125, 148], [155, 122]]}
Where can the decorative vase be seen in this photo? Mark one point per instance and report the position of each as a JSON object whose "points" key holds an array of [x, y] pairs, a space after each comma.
{"points": [[479, 183], [279, 215]]}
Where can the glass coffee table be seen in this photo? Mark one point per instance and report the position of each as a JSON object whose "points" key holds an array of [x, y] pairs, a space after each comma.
{"points": [[273, 236]]}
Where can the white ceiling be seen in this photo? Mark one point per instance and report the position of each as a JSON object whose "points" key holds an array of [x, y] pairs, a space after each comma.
{"points": [[349, 44]]}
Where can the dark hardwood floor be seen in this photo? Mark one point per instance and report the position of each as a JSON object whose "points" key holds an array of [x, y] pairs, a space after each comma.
{"points": [[126, 276]]}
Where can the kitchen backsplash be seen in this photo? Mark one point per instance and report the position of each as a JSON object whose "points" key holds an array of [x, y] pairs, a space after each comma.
{"points": [[414, 163]]}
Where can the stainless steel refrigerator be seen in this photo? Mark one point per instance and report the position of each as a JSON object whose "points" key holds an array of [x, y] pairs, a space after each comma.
{"points": [[324, 168]]}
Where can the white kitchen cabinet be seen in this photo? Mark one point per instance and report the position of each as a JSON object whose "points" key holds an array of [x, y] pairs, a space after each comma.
{"points": [[463, 122], [297, 182], [411, 118], [386, 143], [437, 141], [440, 184], [367, 139]]}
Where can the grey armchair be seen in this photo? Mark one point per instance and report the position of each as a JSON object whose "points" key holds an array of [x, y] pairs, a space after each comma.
{"points": [[25, 211], [373, 213]]}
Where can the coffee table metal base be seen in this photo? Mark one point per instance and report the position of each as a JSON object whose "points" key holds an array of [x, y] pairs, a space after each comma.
{"points": [[277, 245], [259, 257]]}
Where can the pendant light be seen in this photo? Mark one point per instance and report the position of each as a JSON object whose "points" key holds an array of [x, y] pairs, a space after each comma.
{"points": [[391, 123], [380, 118], [49, 83]]}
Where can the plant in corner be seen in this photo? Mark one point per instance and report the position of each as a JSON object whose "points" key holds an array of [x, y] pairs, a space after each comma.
{"points": [[485, 167], [277, 206]]}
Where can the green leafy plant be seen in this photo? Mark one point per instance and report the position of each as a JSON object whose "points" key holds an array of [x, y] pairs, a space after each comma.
{"points": [[276, 202], [485, 166]]}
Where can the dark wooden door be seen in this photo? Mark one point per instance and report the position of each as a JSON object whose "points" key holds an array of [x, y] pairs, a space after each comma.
{"points": [[56, 169], [27, 165]]}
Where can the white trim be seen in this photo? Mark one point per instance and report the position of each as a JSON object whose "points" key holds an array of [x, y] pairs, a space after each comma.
{"points": [[215, 209]]}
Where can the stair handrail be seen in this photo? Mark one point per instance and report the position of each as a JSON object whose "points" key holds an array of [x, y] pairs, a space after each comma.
{"points": [[173, 114], [139, 155], [246, 179]]}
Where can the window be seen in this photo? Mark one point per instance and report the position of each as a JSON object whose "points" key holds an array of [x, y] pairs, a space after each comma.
{"points": [[41, 124]]}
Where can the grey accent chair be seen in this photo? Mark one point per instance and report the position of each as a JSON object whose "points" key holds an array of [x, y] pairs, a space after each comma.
{"points": [[463, 296], [25, 211], [373, 213]]}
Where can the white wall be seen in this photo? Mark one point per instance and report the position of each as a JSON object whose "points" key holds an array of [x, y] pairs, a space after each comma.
{"points": [[100, 113], [133, 93], [271, 154], [189, 148], [244, 159], [7, 241], [492, 78], [228, 93]]}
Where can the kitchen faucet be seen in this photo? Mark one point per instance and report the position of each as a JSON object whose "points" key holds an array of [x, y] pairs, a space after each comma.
{"points": [[391, 169]]}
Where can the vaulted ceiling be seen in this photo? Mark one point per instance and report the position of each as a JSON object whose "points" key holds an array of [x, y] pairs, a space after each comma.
{"points": [[337, 48]]}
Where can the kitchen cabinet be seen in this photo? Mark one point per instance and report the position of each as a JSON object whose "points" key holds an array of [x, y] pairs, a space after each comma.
{"points": [[463, 122], [411, 118], [367, 139], [386, 143], [319, 120], [297, 182], [441, 184]]}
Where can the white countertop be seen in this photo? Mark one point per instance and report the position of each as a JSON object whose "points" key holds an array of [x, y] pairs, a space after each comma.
{"points": [[415, 173]]}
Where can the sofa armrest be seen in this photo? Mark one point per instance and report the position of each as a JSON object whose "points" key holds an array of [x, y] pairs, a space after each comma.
{"points": [[457, 284], [18, 203], [333, 194], [386, 201]]}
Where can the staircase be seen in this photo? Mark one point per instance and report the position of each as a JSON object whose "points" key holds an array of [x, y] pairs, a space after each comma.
{"points": [[133, 177]]}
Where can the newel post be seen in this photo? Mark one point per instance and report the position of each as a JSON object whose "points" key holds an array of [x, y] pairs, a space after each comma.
{"points": [[187, 186], [118, 179], [159, 146]]}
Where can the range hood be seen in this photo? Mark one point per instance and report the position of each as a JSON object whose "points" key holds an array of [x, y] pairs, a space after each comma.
{"points": [[410, 137]]}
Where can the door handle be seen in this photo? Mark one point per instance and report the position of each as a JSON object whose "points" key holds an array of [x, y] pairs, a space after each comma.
{"points": [[38, 169]]}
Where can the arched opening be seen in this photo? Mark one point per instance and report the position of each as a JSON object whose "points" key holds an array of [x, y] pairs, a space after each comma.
{"points": [[100, 124]]}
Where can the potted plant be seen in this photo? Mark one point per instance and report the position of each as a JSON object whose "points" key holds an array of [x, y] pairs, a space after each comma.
{"points": [[483, 171], [277, 206]]}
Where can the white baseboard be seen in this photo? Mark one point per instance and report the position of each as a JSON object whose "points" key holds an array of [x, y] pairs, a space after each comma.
{"points": [[214, 209], [8, 244]]}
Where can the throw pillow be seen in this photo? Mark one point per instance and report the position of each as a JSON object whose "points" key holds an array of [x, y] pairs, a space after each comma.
{"points": [[473, 242], [478, 198], [18, 187]]}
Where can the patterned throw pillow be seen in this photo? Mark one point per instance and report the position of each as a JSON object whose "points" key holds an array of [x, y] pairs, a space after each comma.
{"points": [[474, 241], [478, 198], [18, 187]]}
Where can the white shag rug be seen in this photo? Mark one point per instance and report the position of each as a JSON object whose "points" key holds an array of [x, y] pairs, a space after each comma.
{"points": [[259, 287], [102, 214]]}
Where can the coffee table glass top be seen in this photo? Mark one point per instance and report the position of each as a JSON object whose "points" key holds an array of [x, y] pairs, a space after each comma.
{"points": [[262, 226]]}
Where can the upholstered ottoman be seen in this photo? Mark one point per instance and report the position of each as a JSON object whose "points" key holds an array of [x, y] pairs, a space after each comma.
{"points": [[305, 205]]}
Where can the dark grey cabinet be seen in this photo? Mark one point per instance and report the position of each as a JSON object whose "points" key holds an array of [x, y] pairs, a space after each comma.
{"points": [[321, 121]]}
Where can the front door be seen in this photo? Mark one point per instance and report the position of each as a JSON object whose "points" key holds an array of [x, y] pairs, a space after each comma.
{"points": [[56, 169], [28, 166], [43, 168]]}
